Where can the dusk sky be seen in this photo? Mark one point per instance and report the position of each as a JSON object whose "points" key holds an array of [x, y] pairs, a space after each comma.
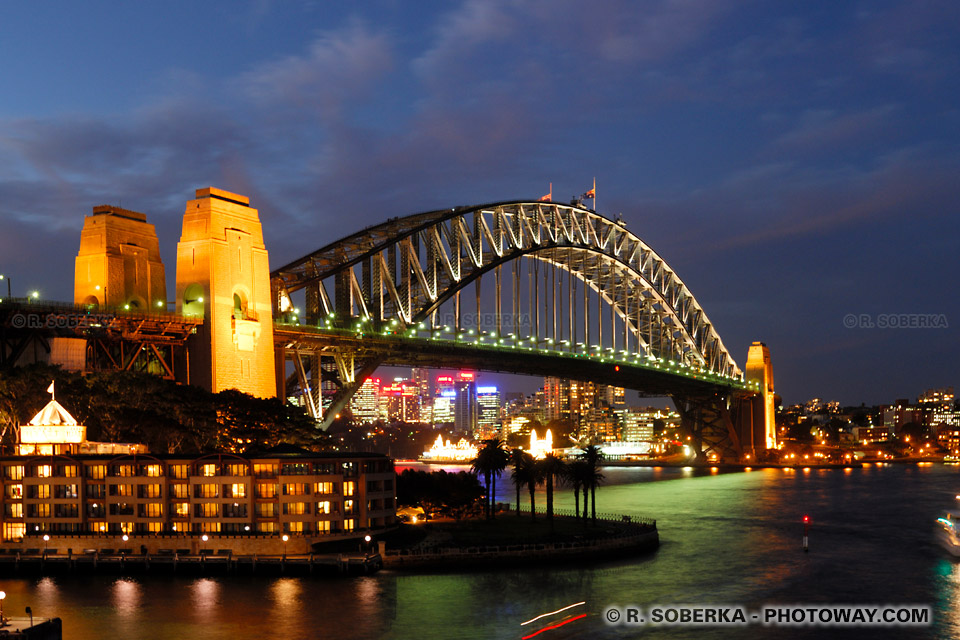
{"points": [[793, 162]]}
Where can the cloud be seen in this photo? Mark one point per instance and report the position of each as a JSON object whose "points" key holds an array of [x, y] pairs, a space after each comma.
{"points": [[338, 69], [826, 129]]}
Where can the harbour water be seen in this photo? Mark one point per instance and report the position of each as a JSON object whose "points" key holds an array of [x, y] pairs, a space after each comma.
{"points": [[726, 538]]}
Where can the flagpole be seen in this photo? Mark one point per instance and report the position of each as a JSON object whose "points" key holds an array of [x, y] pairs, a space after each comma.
{"points": [[594, 193]]}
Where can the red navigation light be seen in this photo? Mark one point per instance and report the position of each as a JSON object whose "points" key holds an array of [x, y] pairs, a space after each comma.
{"points": [[806, 519], [616, 367]]}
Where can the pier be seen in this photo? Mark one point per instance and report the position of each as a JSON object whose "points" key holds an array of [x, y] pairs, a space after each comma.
{"points": [[182, 560]]}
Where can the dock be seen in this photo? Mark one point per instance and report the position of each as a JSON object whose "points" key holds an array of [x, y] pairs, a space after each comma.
{"points": [[177, 560]]}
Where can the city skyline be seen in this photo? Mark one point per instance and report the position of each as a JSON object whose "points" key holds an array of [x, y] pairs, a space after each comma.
{"points": [[795, 166]]}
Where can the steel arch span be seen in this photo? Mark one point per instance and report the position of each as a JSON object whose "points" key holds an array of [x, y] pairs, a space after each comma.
{"points": [[565, 279]]}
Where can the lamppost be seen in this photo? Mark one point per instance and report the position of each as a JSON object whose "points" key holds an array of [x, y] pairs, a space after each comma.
{"points": [[367, 540], [285, 537], [3, 277], [46, 539], [3, 620]]}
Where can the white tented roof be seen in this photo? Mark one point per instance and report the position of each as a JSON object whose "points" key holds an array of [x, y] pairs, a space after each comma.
{"points": [[53, 415]]}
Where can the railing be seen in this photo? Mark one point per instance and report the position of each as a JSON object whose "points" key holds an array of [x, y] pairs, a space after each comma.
{"points": [[605, 517]]}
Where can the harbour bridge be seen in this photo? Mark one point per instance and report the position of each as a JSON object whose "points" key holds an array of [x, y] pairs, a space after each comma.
{"points": [[524, 287], [521, 287]]}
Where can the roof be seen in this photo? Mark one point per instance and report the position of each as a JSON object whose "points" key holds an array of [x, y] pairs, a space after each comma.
{"points": [[53, 415]]}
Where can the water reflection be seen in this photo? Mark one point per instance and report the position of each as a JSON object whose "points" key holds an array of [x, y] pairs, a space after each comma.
{"points": [[205, 598], [126, 596]]}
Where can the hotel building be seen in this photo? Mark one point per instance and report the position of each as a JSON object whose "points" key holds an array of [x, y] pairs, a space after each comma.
{"points": [[304, 494]]}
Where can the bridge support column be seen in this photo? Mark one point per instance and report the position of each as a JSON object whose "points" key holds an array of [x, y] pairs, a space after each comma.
{"points": [[709, 422], [223, 277]]}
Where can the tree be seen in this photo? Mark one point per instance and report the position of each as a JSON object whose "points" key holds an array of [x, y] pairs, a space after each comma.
{"points": [[491, 460], [592, 457], [534, 477], [576, 471], [553, 469], [520, 460]]}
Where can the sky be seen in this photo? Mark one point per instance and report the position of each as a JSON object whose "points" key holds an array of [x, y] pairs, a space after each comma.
{"points": [[794, 163]]}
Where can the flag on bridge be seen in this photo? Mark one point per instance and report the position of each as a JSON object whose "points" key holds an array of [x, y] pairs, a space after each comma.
{"points": [[592, 193], [549, 196]]}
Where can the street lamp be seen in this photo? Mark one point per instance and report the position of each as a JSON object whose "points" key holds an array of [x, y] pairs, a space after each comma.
{"points": [[46, 539], [3, 620], [35, 294], [3, 277], [285, 537]]}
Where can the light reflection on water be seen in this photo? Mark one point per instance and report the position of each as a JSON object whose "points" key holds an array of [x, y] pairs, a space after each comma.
{"points": [[726, 538]]}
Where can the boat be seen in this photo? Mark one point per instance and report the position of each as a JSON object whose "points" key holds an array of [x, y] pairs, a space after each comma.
{"points": [[948, 535]]}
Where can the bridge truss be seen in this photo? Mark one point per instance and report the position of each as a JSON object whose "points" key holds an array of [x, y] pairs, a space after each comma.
{"points": [[530, 275]]}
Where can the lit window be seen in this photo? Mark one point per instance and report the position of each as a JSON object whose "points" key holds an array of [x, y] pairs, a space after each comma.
{"points": [[266, 490]]}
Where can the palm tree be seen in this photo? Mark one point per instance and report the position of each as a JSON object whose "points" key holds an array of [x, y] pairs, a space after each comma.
{"points": [[575, 476], [521, 461], [552, 468], [534, 477], [592, 457], [491, 460]]}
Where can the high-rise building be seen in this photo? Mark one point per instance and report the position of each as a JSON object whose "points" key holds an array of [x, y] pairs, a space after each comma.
{"points": [[400, 401], [638, 423], [365, 402], [588, 406], [465, 411], [488, 413]]}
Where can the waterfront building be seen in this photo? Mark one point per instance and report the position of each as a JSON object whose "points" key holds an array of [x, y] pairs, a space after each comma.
{"points": [[53, 431], [897, 415], [286, 490], [869, 435], [638, 423]]}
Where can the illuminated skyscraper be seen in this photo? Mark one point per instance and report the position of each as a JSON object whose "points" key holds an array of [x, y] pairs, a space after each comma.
{"points": [[465, 411], [488, 418], [365, 401]]}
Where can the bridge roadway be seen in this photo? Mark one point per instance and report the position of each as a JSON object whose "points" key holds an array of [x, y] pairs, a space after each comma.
{"points": [[647, 374]]}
